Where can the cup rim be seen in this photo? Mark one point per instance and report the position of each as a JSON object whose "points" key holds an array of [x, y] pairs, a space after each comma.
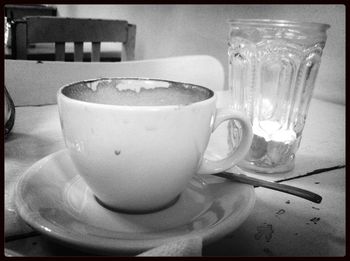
{"points": [[280, 23], [212, 95]]}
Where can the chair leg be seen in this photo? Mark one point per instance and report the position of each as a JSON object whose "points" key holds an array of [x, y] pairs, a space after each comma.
{"points": [[19, 42], [128, 48]]}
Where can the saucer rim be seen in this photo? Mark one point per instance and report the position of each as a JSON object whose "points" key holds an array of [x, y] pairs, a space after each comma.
{"points": [[120, 245]]}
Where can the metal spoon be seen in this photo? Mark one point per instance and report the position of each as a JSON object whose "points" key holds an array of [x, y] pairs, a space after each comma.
{"points": [[272, 185]]}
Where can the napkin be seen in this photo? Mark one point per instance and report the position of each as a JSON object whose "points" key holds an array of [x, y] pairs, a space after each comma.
{"points": [[183, 247]]}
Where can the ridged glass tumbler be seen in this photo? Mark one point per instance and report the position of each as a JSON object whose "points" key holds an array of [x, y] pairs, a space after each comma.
{"points": [[273, 65]]}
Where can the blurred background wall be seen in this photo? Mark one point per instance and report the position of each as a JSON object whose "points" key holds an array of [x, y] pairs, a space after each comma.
{"points": [[174, 30]]}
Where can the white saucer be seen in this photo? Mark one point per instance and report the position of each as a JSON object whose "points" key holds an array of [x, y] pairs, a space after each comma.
{"points": [[53, 199]]}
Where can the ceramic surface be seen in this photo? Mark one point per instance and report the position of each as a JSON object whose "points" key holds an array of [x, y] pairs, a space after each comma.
{"points": [[53, 199], [120, 150]]}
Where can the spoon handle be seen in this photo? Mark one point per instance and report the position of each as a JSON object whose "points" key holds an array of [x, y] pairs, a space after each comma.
{"points": [[272, 185]]}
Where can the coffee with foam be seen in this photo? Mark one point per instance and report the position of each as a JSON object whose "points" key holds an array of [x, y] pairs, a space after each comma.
{"points": [[132, 92], [137, 143]]}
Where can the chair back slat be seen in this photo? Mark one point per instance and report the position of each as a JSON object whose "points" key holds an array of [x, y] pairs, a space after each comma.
{"points": [[60, 51], [78, 51], [51, 29], [95, 51]]}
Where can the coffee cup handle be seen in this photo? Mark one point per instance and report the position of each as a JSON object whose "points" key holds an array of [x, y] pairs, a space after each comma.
{"points": [[215, 166]]}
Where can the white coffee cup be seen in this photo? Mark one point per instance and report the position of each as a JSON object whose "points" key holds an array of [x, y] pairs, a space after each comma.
{"points": [[138, 142]]}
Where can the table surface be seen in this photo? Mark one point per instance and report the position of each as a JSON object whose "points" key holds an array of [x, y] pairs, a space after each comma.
{"points": [[279, 225]]}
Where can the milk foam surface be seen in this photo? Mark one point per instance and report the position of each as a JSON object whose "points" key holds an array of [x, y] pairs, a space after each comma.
{"points": [[156, 94]]}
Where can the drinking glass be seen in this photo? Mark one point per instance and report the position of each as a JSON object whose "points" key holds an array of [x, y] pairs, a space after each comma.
{"points": [[9, 112], [273, 65]]}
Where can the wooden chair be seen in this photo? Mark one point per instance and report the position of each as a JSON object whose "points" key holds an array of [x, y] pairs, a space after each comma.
{"points": [[15, 12], [60, 30]]}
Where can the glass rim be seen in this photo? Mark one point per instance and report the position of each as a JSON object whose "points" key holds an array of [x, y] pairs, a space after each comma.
{"points": [[280, 23]]}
